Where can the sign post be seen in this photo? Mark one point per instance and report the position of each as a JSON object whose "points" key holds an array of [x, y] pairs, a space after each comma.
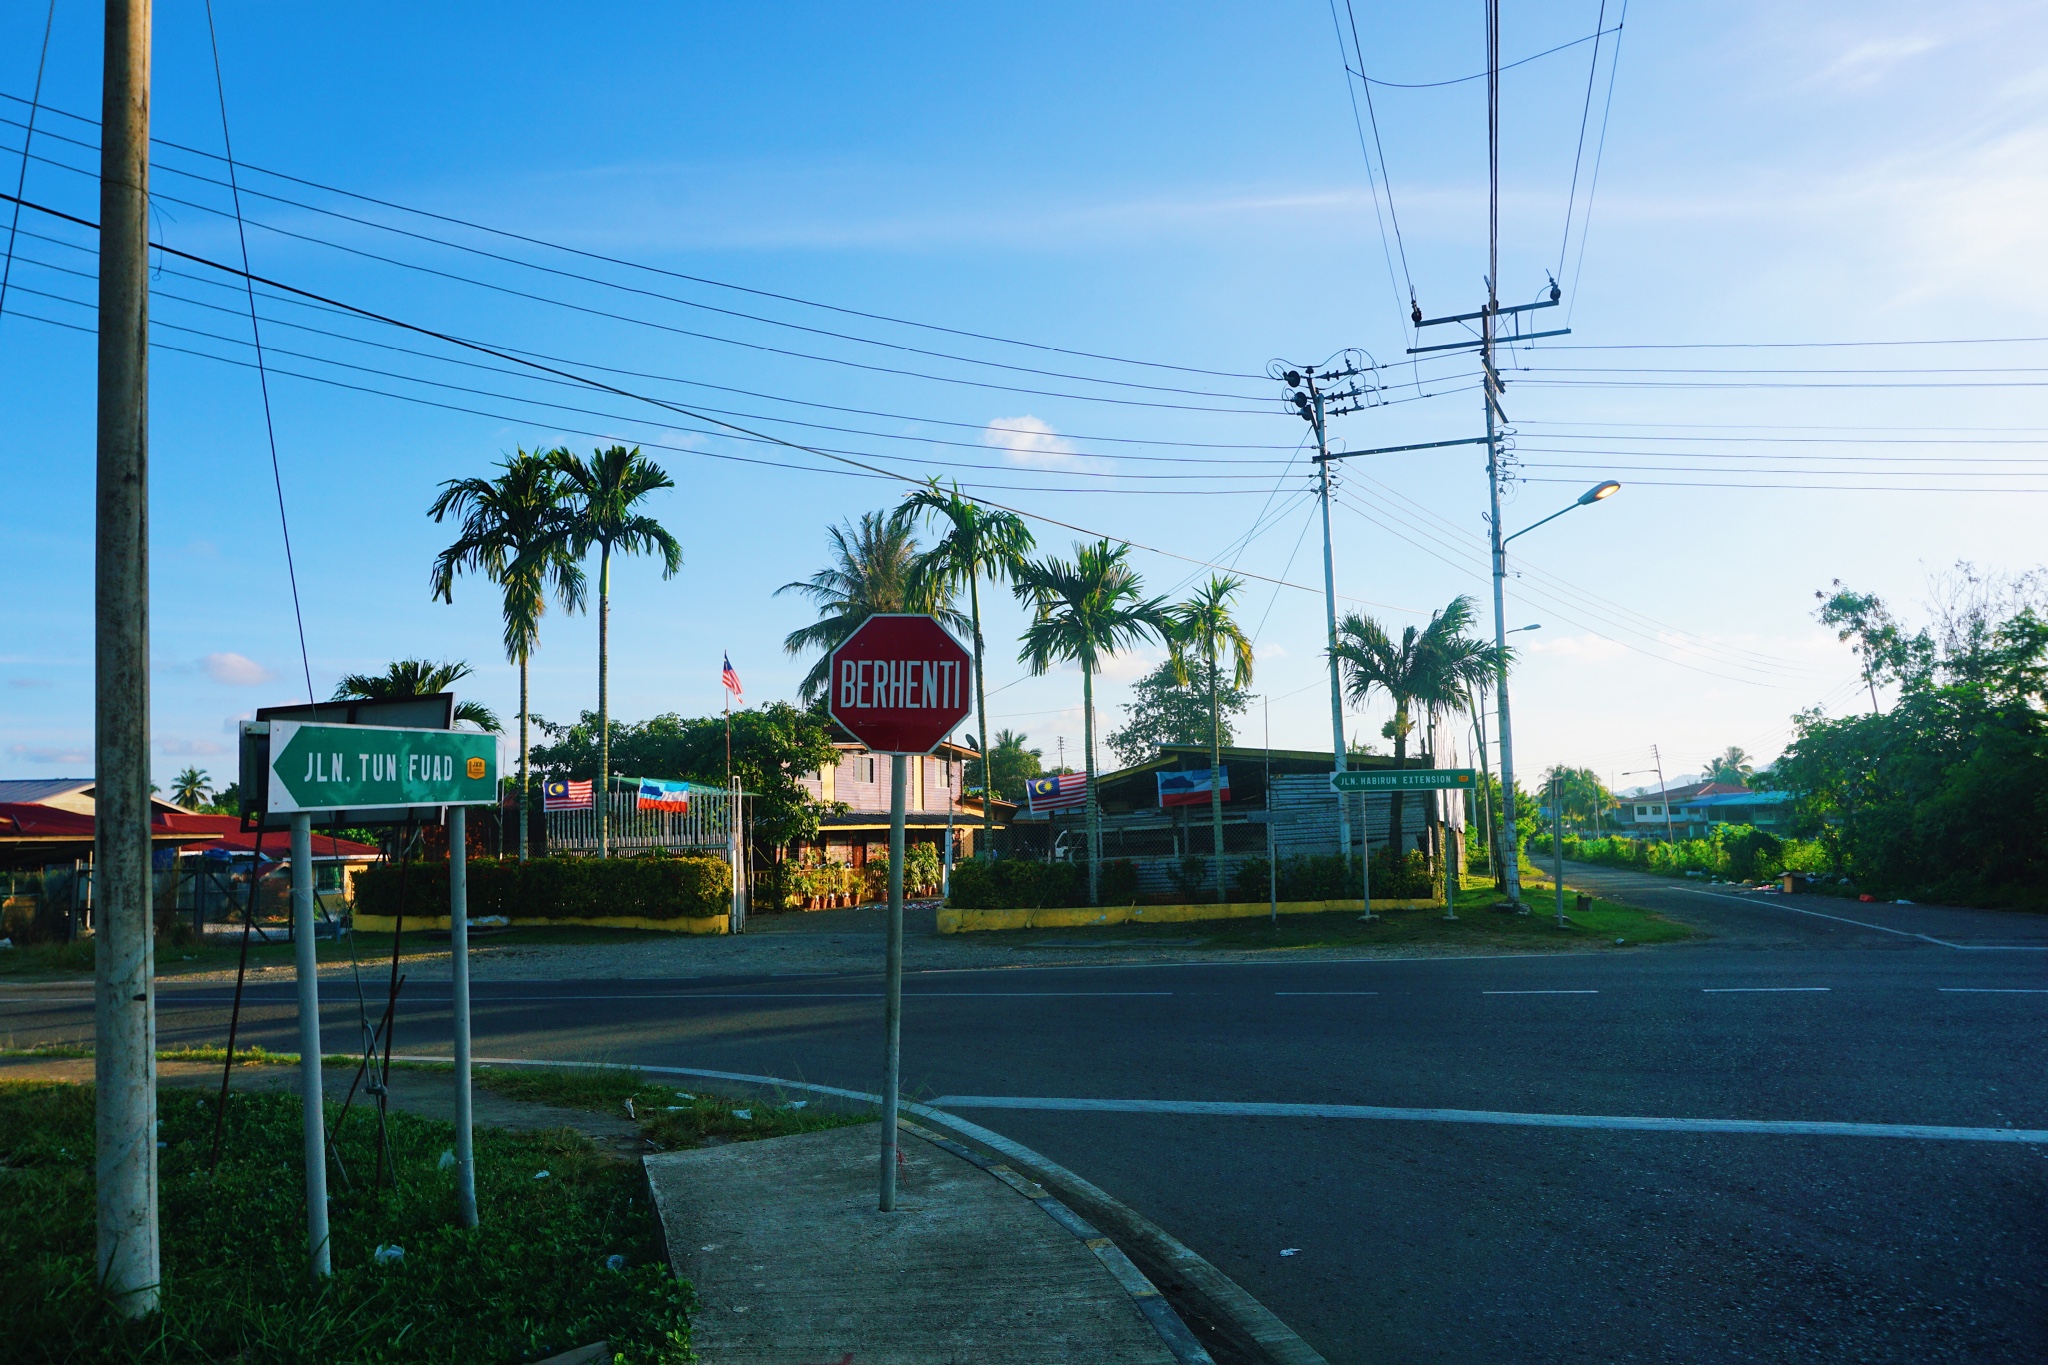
{"points": [[310, 768], [899, 686]]}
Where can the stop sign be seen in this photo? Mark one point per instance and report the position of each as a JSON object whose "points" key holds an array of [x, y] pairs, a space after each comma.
{"points": [[899, 683]]}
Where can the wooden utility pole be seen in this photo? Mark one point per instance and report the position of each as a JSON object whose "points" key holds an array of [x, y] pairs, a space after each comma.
{"points": [[124, 1066]]}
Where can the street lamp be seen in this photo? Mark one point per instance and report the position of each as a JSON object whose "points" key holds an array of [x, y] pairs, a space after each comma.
{"points": [[1599, 492]]}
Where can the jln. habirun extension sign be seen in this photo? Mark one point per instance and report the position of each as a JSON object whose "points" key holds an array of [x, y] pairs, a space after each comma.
{"points": [[357, 767]]}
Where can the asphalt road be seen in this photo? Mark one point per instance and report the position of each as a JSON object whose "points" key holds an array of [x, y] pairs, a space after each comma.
{"points": [[1479, 1234]]}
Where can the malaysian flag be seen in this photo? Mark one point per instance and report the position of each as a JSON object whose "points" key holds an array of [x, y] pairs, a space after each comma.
{"points": [[1057, 791], [731, 679], [561, 794]]}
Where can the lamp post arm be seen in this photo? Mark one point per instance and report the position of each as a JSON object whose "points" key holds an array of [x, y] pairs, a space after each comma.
{"points": [[1534, 524]]}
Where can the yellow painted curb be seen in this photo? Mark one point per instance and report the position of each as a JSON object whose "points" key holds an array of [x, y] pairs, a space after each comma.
{"points": [[710, 924], [976, 921]]}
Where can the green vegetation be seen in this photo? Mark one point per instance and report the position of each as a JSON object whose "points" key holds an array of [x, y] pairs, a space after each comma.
{"points": [[652, 887], [670, 1116], [532, 1281], [1478, 928], [1011, 765], [1944, 796], [1199, 632], [875, 568], [1329, 877], [1736, 853], [1026, 884], [418, 678]]}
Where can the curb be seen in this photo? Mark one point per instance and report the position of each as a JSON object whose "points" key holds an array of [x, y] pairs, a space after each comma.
{"points": [[1191, 1286]]}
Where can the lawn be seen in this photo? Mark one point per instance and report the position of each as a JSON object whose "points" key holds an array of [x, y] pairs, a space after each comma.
{"points": [[537, 1278], [669, 1116], [1607, 924]]}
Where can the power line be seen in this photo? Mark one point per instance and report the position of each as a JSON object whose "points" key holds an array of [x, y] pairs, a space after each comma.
{"points": [[1385, 175], [640, 266], [1482, 75], [1579, 149], [28, 136], [1599, 157]]}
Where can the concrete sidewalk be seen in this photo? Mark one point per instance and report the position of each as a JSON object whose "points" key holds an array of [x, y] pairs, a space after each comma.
{"points": [[794, 1265]]}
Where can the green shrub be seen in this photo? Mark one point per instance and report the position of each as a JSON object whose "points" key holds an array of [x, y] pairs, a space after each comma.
{"points": [[1332, 877], [670, 886], [1018, 884], [1736, 852], [923, 868], [1119, 882]]}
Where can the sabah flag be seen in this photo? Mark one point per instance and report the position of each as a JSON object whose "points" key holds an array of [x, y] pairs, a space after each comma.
{"points": [[1189, 787], [657, 793], [560, 794]]}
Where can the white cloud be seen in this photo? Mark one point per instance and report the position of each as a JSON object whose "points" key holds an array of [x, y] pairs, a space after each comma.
{"points": [[235, 670], [38, 755], [188, 748], [1866, 63], [1029, 441]]}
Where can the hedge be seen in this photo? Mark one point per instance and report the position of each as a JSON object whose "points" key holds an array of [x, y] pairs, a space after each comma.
{"points": [[653, 887], [1023, 884], [1736, 852]]}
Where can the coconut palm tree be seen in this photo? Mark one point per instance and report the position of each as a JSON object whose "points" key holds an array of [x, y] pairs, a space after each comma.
{"points": [[191, 788], [514, 532], [1082, 611], [873, 571], [1435, 669], [419, 678], [1732, 766], [1203, 628], [978, 540], [604, 494]]}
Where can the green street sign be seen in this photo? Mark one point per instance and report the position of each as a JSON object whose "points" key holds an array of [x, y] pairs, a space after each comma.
{"points": [[357, 767], [1404, 780]]}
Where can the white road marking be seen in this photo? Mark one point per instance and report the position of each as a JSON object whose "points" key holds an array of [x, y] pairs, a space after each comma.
{"points": [[1326, 992], [1539, 992], [1244, 1109], [1992, 990], [1881, 928], [1756, 990]]}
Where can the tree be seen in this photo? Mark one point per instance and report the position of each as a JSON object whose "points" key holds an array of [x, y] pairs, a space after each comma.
{"points": [[1010, 765], [1165, 709], [1731, 766], [418, 678], [1437, 669], [191, 789], [873, 571], [514, 531], [1581, 793], [1202, 628], [1082, 611], [604, 494], [773, 748], [978, 540]]}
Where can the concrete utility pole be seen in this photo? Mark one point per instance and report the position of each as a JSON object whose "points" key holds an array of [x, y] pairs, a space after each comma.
{"points": [[312, 1092], [124, 1015], [892, 976]]}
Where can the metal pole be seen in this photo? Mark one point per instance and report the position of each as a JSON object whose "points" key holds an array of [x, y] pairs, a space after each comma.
{"points": [[1510, 853], [124, 1016], [892, 1001], [458, 935], [1557, 843], [311, 1095], [1664, 793], [952, 800], [1447, 849], [1272, 857]]}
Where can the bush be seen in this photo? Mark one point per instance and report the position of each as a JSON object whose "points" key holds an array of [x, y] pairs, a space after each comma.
{"points": [[923, 869], [1020, 884], [655, 887], [1332, 877], [1736, 852]]}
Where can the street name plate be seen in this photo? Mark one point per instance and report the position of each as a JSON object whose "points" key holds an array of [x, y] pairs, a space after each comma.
{"points": [[1403, 780], [354, 767]]}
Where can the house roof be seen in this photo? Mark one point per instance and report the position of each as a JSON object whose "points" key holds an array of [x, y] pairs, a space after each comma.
{"points": [[39, 789], [32, 833]]}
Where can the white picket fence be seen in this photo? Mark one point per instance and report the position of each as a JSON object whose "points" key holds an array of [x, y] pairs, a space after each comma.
{"points": [[708, 824]]}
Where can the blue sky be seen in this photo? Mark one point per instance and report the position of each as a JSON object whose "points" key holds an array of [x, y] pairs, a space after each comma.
{"points": [[1179, 185]]}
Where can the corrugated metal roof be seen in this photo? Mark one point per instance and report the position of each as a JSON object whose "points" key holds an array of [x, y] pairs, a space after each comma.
{"points": [[27, 790]]}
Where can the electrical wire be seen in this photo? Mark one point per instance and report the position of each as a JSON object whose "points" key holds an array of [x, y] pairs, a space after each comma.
{"points": [[1406, 328], [1579, 150], [262, 375], [28, 137], [1481, 75], [1599, 158], [654, 270]]}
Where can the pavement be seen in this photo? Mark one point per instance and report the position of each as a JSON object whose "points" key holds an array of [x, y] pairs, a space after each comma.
{"points": [[1418, 1158], [792, 1261]]}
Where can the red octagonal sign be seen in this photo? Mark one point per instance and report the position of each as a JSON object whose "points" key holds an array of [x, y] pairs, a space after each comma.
{"points": [[899, 683]]}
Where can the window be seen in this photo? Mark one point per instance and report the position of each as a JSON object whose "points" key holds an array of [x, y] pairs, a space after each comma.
{"points": [[1642, 810], [867, 767]]}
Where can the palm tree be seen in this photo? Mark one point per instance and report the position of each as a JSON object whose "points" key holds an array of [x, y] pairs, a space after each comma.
{"points": [[978, 540], [419, 678], [1204, 627], [191, 788], [605, 493], [1438, 668], [873, 570], [1082, 611], [514, 532], [1732, 766]]}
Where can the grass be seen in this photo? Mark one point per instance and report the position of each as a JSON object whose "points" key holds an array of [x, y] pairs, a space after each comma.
{"points": [[172, 959], [670, 1117], [532, 1281], [1478, 926]]}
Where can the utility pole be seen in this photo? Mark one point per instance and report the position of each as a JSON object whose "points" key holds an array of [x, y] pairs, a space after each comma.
{"points": [[124, 1065], [1664, 792], [1311, 402]]}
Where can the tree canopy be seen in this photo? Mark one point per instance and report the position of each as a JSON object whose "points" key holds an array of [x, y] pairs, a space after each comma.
{"points": [[1011, 762], [1163, 710], [418, 678]]}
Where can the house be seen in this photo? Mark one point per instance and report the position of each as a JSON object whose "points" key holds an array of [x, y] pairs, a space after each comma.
{"points": [[1695, 808], [859, 780]]}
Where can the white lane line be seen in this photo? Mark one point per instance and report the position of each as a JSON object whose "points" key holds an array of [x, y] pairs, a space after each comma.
{"points": [[189, 998], [1992, 990], [1865, 924], [1539, 992], [1326, 992], [1759, 990], [1241, 1109]]}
